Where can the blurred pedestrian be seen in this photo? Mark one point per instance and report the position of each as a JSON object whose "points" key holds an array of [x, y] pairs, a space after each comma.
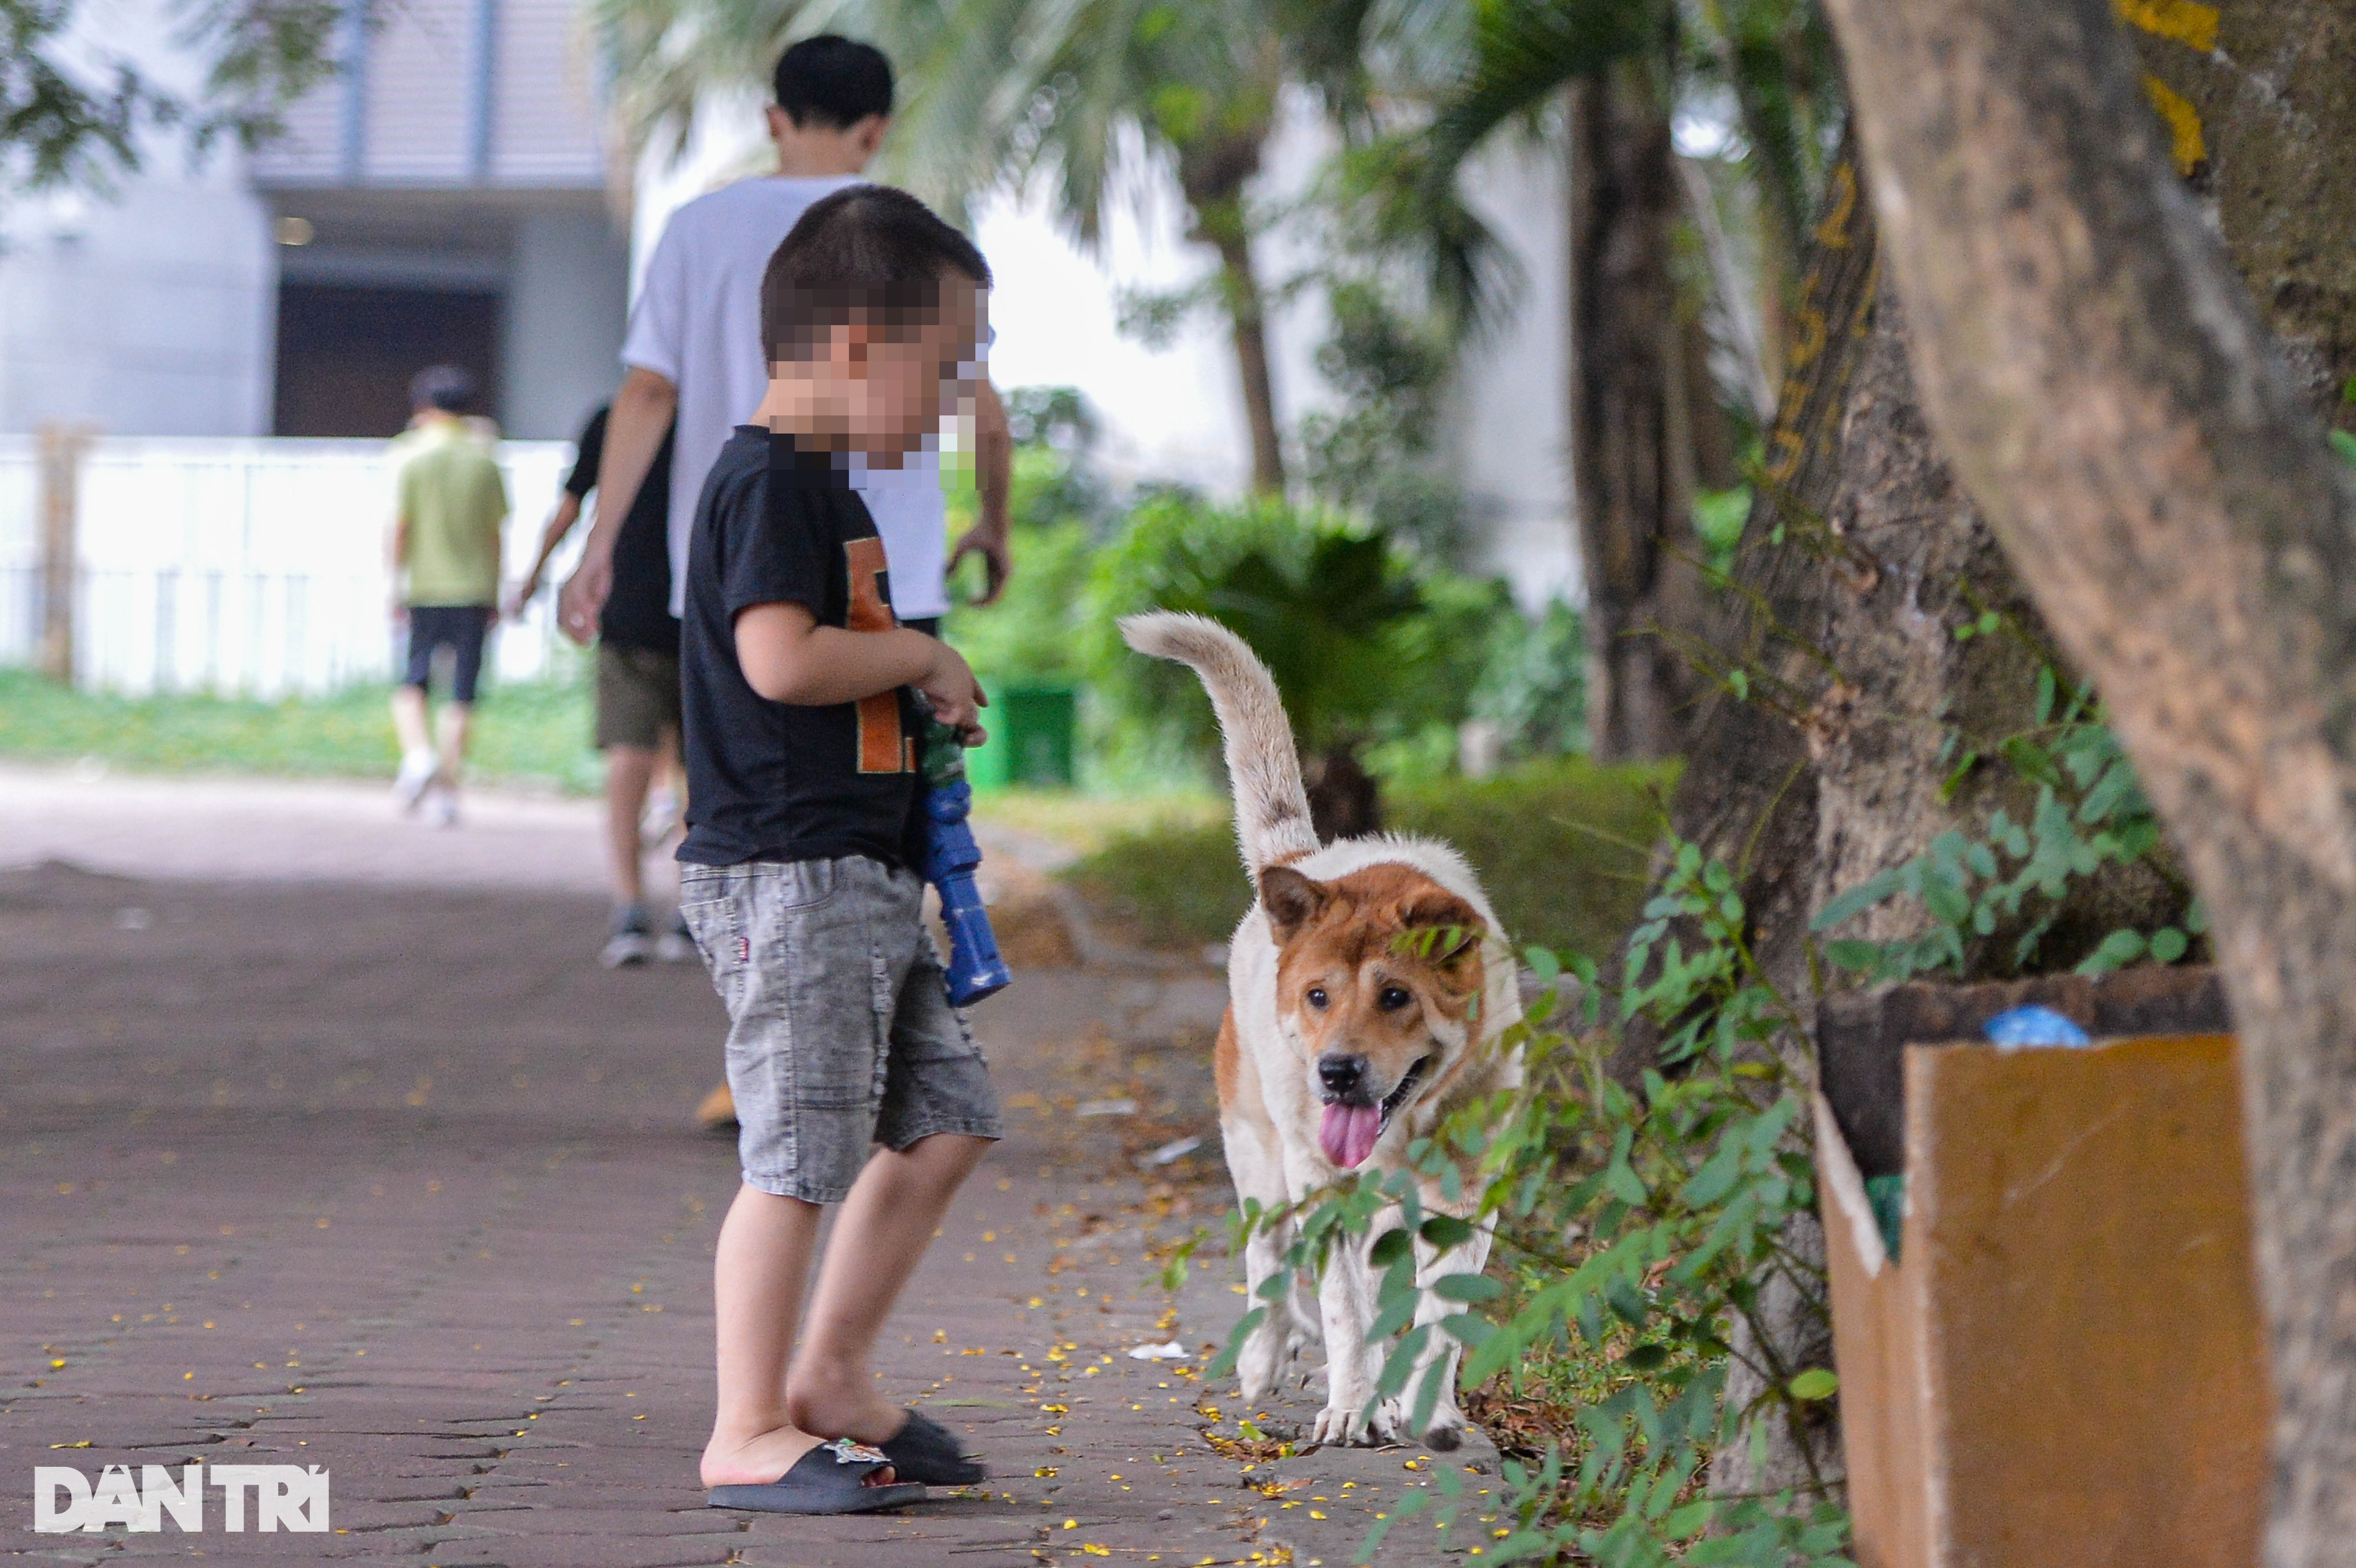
{"points": [[446, 560], [638, 686]]}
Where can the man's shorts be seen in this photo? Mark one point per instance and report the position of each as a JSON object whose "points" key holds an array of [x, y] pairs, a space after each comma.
{"points": [[638, 696], [458, 628], [840, 1029]]}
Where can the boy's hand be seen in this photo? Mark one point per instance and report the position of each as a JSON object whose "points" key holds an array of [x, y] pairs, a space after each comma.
{"points": [[954, 694]]}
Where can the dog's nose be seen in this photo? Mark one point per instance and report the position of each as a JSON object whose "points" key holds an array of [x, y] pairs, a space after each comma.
{"points": [[1341, 1075]]}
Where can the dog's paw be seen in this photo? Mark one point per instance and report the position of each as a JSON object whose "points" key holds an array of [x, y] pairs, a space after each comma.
{"points": [[1337, 1427], [1349, 1427]]}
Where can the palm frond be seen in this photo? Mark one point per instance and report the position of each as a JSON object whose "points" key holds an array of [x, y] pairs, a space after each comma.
{"points": [[1523, 51], [1393, 204]]}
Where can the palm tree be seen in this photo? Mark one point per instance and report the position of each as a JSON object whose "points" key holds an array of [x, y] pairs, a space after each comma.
{"points": [[1619, 69], [1071, 90], [1001, 92]]}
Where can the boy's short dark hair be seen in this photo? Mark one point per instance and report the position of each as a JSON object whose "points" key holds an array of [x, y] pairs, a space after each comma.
{"points": [[866, 250], [443, 387], [833, 80]]}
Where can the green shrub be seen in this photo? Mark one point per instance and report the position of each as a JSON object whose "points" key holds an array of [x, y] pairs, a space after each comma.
{"points": [[1177, 886], [1033, 631], [1368, 643], [1562, 847], [1533, 684]]}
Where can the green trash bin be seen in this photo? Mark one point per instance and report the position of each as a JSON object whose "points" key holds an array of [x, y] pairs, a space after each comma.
{"points": [[1033, 728]]}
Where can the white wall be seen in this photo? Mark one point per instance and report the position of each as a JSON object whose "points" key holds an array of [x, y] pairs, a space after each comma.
{"points": [[254, 568], [1508, 415], [561, 330]]}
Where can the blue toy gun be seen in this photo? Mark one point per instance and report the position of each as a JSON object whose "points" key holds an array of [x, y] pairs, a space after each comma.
{"points": [[950, 856]]}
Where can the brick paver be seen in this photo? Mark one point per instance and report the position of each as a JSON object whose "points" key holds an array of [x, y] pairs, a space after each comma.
{"points": [[391, 1180]]}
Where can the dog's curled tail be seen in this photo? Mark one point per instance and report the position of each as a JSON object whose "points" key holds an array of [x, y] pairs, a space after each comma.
{"points": [[1271, 806]]}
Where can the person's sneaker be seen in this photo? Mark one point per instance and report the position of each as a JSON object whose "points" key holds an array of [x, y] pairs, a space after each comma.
{"points": [[416, 776], [442, 808], [676, 945], [631, 943]]}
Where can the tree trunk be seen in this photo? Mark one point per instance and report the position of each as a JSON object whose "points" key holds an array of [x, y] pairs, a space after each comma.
{"points": [[1222, 223], [2106, 391], [2260, 97], [1836, 757], [1627, 416]]}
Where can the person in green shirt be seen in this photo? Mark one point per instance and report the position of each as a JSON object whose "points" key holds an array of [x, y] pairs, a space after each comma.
{"points": [[445, 563]]}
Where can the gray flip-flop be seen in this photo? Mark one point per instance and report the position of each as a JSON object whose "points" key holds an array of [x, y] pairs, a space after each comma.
{"points": [[827, 1479], [923, 1450]]}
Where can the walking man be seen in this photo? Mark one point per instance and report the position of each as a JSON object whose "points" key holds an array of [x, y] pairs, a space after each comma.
{"points": [[693, 354], [445, 563], [638, 685]]}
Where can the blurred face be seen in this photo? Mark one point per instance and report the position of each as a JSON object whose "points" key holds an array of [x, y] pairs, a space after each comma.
{"points": [[882, 383], [917, 373]]}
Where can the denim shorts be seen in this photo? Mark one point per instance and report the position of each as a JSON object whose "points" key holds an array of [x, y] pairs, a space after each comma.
{"points": [[840, 1029]]}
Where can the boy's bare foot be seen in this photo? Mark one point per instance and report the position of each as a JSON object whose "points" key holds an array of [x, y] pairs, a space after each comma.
{"points": [[840, 1406], [765, 1457]]}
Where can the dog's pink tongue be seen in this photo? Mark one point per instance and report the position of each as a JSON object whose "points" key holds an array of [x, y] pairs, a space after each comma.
{"points": [[1347, 1133]]}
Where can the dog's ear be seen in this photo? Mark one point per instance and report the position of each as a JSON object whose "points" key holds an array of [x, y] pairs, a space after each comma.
{"points": [[1290, 899], [1442, 927]]}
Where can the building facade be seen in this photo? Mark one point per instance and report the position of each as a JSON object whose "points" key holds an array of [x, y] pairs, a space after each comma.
{"points": [[442, 199]]}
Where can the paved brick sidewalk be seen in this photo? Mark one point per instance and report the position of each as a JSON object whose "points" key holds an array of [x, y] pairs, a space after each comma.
{"points": [[393, 1181]]}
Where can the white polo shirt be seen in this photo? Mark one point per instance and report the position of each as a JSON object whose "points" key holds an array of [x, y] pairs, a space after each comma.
{"points": [[696, 324]]}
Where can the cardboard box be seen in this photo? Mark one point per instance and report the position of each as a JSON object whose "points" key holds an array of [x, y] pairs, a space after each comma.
{"points": [[2063, 1367]]}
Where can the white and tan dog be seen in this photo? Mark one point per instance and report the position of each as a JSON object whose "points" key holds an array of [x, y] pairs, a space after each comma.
{"points": [[1345, 1036]]}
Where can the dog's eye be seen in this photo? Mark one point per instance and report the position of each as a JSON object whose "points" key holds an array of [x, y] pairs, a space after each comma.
{"points": [[1317, 997], [1393, 998]]}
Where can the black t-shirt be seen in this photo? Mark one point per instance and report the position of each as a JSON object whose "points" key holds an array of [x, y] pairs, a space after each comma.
{"points": [[778, 780], [637, 610]]}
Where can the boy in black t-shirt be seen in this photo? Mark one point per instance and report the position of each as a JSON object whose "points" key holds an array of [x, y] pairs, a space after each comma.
{"points": [[804, 702]]}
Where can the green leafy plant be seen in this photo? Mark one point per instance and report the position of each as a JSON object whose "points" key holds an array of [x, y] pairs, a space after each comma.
{"points": [[1333, 610], [2090, 812], [1533, 682], [1375, 456]]}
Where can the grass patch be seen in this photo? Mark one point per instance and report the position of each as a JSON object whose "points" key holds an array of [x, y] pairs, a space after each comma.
{"points": [[1177, 885], [1086, 824], [1561, 846], [524, 733]]}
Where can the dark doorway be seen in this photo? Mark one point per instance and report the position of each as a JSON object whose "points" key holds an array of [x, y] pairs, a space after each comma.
{"points": [[345, 354]]}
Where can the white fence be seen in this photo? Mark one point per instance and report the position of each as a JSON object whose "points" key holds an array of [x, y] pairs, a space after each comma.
{"points": [[254, 568]]}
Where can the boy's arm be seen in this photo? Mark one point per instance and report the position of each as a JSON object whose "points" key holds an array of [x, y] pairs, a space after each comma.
{"points": [[787, 657], [642, 410]]}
